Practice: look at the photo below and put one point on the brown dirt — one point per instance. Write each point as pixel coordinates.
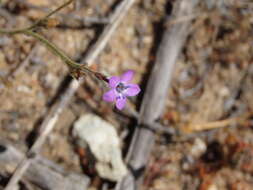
(212, 82)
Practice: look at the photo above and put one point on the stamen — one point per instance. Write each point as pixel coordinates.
(121, 87)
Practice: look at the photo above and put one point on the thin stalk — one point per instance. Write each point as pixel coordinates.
(22, 30)
(58, 52)
(49, 14)
(12, 31)
(52, 47)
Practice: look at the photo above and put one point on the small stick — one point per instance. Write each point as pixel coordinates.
(42, 172)
(186, 18)
(7, 79)
(83, 21)
(115, 20)
(24, 63)
(54, 113)
(216, 124)
(22, 30)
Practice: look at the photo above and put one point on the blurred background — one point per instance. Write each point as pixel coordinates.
(209, 104)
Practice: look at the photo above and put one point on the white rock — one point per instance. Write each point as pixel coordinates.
(104, 143)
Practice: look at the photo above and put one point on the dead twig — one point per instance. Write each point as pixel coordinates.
(23, 64)
(42, 172)
(54, 113)
(115, 20)
(193, 127)
(186, 18)
(9, 17)
(154, 99)
(70, 20)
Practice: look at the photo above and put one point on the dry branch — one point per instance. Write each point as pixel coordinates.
(42, 172)
(155, 95)
(24, 63)
(54, 113)
(70, 20)
(195, 127)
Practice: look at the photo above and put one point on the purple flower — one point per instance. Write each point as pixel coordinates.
(121, 89)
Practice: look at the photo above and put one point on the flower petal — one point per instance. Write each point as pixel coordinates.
(113, 81)
(110, 96)
(120, 103)
(127, 76)
(132, 90)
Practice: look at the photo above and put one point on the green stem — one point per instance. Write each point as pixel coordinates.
(58, 52)
(49, 14)
(54, 49)
(12, 31)
(22, 30)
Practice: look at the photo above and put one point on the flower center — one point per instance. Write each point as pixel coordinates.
(121, 87)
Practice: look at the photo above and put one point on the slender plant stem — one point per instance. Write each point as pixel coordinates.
(52, 47)
(12, 31)
(52, 12)
(36, 24)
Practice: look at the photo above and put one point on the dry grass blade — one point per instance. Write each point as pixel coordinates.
(195, 127)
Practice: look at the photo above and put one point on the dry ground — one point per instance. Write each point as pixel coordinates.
(212, 83)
